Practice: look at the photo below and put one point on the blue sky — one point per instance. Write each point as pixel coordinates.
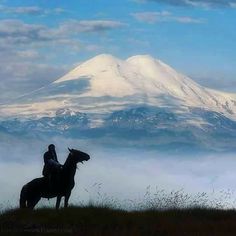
(40, 41)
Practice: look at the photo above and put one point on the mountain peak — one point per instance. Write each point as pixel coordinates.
(141, 57)
(148, 62)
(106, 62)
(92, 66)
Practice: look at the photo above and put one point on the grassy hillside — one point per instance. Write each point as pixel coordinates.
(106, 221)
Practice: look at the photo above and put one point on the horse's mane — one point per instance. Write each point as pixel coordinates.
(67, 160)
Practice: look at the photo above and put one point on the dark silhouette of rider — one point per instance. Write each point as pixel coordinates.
(51, 164)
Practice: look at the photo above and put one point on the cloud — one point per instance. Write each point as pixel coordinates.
(233, 4)
(18, 32)
(22, 76)
(164, 16)
(16, 35)
(30, 10)
(28, 54)
(187, 20)
(22, 48)
(150, 17)
(93, 48)
(106, 174)
(89, 26)
(197, 3)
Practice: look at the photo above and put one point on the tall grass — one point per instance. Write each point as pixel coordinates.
(160, 199)
(156, 212)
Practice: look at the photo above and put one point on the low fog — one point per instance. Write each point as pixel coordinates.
(119, 174)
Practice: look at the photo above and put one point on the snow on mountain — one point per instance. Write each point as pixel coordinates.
(105, 84)
(107, 76)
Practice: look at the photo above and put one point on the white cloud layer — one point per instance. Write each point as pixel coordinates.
(119, 174)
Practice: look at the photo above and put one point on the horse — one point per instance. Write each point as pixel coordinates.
(38, 188)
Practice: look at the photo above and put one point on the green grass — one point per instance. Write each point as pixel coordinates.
(104, 221)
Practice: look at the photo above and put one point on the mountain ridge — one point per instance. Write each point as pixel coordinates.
(106, 83)
(140, 102)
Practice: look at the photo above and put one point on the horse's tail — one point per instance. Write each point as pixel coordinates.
(23, 199)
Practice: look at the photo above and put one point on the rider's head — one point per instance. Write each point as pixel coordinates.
(51, 147)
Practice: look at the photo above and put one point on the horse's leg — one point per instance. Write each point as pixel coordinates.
(58, 202)
(33, 202)
(67, 196)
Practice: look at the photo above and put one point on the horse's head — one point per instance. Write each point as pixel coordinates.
(78, 156)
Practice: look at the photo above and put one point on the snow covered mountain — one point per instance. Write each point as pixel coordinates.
(109, 95)
(105, 83)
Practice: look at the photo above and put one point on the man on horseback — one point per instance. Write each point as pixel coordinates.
(39, 188)
(51, 165)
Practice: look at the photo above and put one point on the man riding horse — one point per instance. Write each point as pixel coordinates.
(60, 187)
(51, 165)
